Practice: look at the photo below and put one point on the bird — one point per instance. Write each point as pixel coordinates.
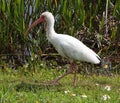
(67, 46)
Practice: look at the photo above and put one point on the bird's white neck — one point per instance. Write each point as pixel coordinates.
(49, 29)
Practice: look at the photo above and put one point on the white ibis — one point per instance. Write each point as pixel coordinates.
(66, 45)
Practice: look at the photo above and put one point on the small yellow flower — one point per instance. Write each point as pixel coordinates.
(97, 84)
(33, 73)
(73, 94)
(84, 96)
(105, 97)
(108, 88)
(67, 91)
(105, 66)
(36, 102)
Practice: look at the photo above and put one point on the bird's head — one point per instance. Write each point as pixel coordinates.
(45, 17)
(48, 17)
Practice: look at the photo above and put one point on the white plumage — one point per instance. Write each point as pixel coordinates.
(72, 48)
(67, 46)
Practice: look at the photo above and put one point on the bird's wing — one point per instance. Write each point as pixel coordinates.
(76, 50)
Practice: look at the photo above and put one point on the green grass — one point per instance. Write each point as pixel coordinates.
(23, 86)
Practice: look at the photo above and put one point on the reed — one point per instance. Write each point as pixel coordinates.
(71, 17)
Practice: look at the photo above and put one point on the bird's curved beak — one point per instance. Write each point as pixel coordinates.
(39, 20)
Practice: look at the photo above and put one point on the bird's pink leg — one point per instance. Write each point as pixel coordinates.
(73, 65)
(60, 77)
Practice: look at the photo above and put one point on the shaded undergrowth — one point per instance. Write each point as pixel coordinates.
(84, 20)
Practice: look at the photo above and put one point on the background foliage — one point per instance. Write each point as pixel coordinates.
(82, 19)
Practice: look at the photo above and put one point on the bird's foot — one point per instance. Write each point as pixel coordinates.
(53, 82)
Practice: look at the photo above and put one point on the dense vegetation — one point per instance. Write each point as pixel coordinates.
(93, 22)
